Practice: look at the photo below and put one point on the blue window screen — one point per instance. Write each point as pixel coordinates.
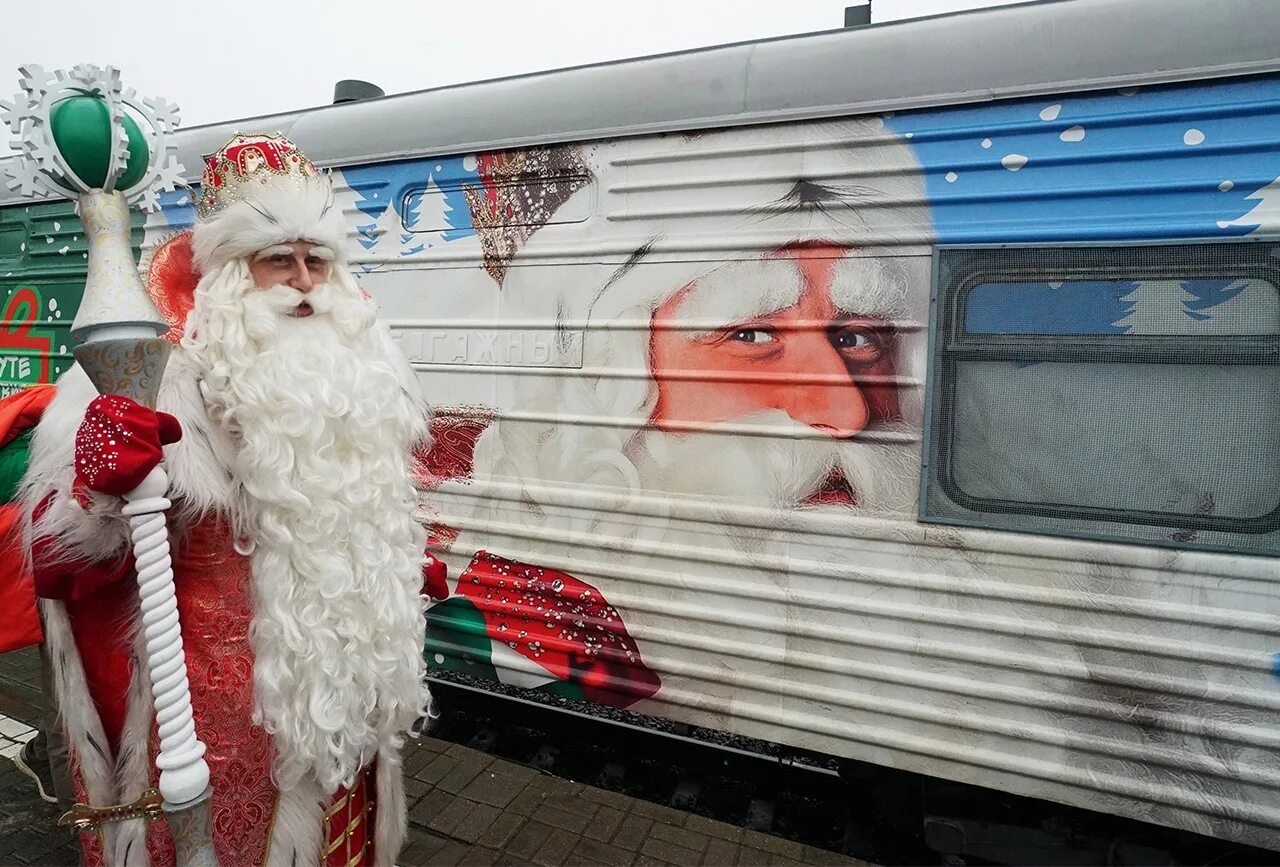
(1191, 307)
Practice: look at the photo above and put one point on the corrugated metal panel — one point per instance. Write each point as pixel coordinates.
(1120, 678)
(970, 57)
(42, 272)
(1124, 679)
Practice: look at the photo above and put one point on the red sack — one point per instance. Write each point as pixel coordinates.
(19, 623)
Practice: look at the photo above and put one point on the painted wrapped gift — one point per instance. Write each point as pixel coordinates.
(537, 628)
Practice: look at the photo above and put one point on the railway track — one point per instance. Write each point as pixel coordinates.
(865, 811)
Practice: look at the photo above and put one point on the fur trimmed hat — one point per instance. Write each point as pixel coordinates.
(259, 191)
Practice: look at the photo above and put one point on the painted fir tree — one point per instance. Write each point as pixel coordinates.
(1265, 215)
(1158, 307)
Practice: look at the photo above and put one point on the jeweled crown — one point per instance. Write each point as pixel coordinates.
(245, 162)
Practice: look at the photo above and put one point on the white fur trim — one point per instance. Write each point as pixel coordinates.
(107, 779)
(127, 841)
(99, 533)
(198, 480)
(296, 837)
(390, 815)
(275, 213)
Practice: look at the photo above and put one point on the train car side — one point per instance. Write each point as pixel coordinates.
(680, 395)
(932, 426)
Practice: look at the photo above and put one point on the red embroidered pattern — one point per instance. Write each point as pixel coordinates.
(215, 609)
(453, 445)
(171, 282)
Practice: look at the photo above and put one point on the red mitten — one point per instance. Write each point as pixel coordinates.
(119, 442)
(434, 572)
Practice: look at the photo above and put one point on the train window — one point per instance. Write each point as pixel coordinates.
(1126, 392)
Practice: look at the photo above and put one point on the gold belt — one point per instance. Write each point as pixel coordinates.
(82, 817)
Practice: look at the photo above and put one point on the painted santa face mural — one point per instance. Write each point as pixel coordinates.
(697, 401)
(767, 360)
(800, 335)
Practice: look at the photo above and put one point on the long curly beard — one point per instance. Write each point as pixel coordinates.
(323, 427)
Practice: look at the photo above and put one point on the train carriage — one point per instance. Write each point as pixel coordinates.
(907, 394)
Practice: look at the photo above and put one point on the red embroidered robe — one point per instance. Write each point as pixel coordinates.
(212, 584)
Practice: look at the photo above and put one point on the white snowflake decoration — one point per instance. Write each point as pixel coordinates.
(31, 174)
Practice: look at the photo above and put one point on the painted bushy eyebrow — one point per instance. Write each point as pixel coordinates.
(737, 293)
(734, 295)
(871, 286)
(633, 260)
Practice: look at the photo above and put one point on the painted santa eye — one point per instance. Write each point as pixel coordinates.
(858, 344)
(755, 336)
(849, 339)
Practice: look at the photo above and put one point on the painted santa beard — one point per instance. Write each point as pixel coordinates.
(777, 471)
(685, 555)
(323, 433)
(780, 470)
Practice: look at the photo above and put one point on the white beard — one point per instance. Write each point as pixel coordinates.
(759, 486)
(323, 431)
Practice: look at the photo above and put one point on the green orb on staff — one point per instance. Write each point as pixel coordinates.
(82, 135)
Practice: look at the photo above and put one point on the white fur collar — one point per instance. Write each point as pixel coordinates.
(198, 480)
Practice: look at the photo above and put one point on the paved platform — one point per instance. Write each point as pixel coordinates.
(465, 807)
(469, 808)
(28, 826)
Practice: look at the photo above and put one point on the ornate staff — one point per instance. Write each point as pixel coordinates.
(80, 136)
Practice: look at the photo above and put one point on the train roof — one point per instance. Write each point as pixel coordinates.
(1022, 50)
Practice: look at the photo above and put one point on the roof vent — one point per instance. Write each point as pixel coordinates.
(857, 16)
(354, 90)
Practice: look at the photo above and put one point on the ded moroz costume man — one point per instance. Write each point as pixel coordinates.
(287, 419)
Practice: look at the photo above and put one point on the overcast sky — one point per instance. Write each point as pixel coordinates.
(223, 61)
